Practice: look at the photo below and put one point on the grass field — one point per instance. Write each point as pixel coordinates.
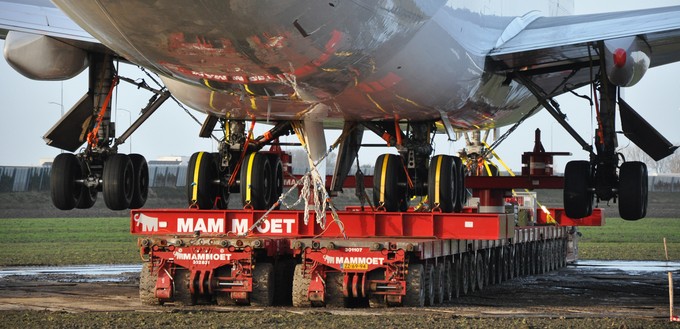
(61, 241)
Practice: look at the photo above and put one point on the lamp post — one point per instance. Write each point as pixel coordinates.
(61, 106)
(129, 124)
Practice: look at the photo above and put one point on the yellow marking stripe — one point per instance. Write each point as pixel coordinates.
(376, 103)
(212, 98)
(436, 179)
(382, 179)
(197, 165)
(249, 175)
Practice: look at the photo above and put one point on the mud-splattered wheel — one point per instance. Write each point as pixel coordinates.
(334, 296)
(428, 284)
(300, 287)
(456, 278)
(223, 298)
(182, 293)
(480, 270)
(283, 288)
(147, 285)
(447, 282)
(415, 284)
(263, 285)
(374, 300)
(465, 274)
(438, 280)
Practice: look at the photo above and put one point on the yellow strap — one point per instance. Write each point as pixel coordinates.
(437, 178)
(197, 165)
(382, 178)
(249, 175)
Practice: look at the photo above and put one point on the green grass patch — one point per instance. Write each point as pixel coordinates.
(631, 240)
(62, 241)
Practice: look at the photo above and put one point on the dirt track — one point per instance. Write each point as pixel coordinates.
(588, 296)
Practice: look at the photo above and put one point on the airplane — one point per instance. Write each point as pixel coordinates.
(401, 70)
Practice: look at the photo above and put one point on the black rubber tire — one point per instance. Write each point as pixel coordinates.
(578, 196)
(300, 288)
(447, 281)
(438, 279)
(415, 286)
(201, 177)
(118, 182)
(223, 298)
(182, 294)
(283, 289)
(442, 193)
(472, 272)
(88, 196)
(64, 189)
(461, 191)
(456, 278)
(428, 285)
(389, 167)
(480, 267)
(256, 189)
(465, 274)
(141, 185)
(334, 296)
(277, 179)
(633, 190)
(147, 286)
(263, 285)
(222, 190)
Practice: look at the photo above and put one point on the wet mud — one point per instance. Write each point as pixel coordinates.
(588, 294)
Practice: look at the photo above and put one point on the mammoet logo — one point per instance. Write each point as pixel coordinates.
(271, 225)
(149, 224)
(210, 225)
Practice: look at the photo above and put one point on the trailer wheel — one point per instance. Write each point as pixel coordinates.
(465, 274)
(428, 285)
(457, 269)
(334, 295)
(223, 298)
(438, 284)
(182, 294)
(300, 287)
(415, 286)
(283, 289)
(480, 271)
(263, 285)
(633, 190)
(147, 285)
(63, 187)
(374, 300)
(472, 272)
(256, 181)
(500, 265)
(447, 281)
(578, 197)
(389, 183)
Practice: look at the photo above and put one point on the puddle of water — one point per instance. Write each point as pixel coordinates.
(89, 270)
(631, 267)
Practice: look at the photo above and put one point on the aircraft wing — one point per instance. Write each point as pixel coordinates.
(543, 46)
(39, 17)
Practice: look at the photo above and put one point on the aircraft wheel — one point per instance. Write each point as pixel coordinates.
(221, 189)
(461, 191)
(442, 189)
(64, 189)
(389, 183)
(300, 288)
(256, 181)
(415, 286)
(263, 285)
(578, 198)
(201, 177)
(182, 294)
(277, 179)
(118, 182)
(633, 190)
(141, 183)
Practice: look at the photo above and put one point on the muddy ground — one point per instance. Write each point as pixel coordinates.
(577, 296)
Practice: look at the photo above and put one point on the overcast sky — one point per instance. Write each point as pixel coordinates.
(27, 111)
